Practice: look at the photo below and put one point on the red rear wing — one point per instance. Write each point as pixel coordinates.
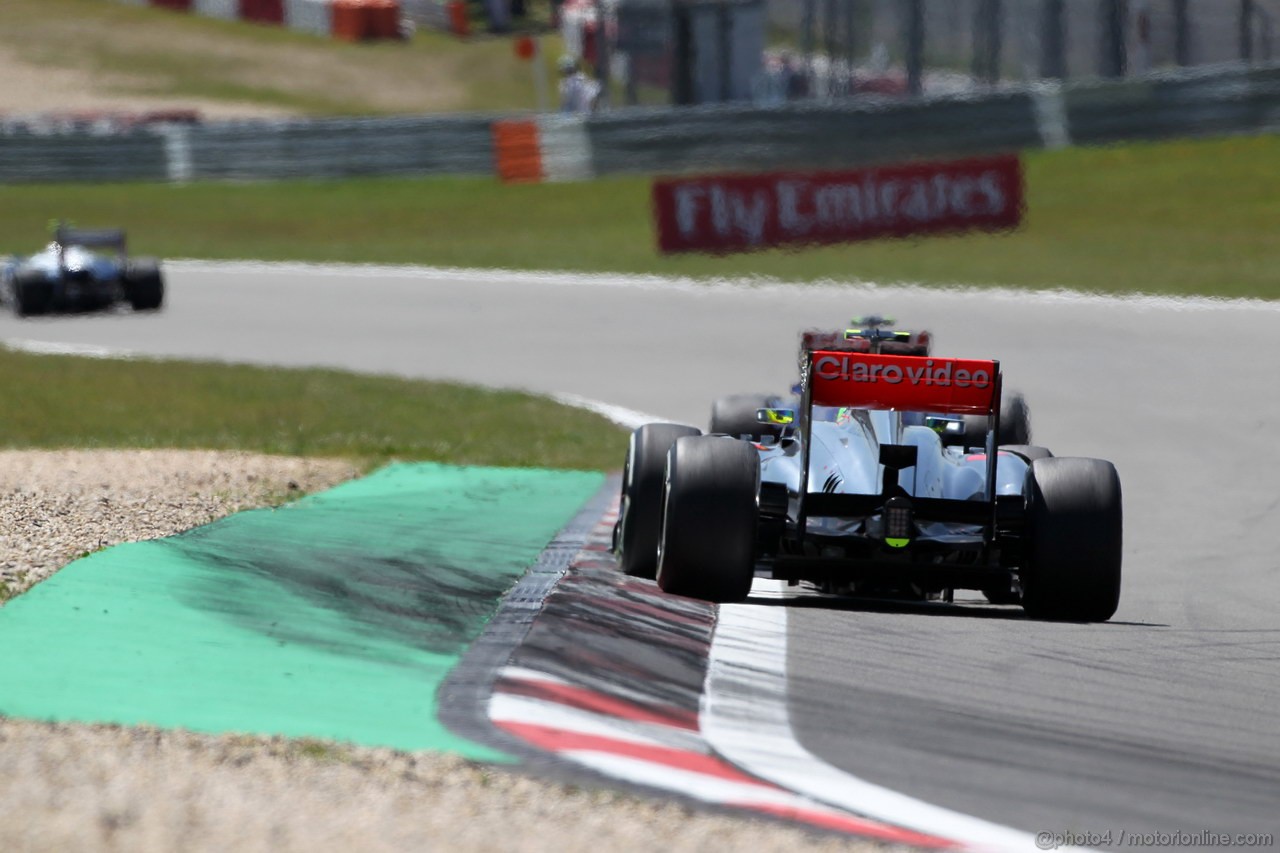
(908, 383)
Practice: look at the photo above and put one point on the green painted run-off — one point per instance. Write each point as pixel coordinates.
(334, 617)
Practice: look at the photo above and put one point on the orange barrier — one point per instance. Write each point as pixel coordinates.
(517, 151)
(356, 20)
(384, 19)
(262, 11)
(458, 22)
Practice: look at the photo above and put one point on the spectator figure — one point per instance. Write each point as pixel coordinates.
(769, 85)
(797, 76)
(578, 92)
(499, 13)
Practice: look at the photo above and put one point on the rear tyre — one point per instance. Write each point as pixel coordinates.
(640, 512)
(1075, 540)
(32, 294)
(144, 285)
(1015, 424)
(735, 415)
(1029, 452)
(709, 519)
(1015, 420)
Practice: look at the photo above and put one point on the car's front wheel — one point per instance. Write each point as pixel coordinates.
(32, 293)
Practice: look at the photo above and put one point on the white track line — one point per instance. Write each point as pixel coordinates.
(54, 348)
(629, 418)
(744, 717)
(709, 285)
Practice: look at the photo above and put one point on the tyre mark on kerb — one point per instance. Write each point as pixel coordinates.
(744, 718)
(644, 737)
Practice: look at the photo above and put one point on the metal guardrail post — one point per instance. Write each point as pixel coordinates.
(807, 25)
(831, 30)
(1266, 30)
(850, 33)
(915, 46)
(1246, 30)
(1053, 40)
(1114, 57)
(987, 37)
(602, 55)
(1181, 33)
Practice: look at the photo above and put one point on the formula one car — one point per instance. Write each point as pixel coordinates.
(854, 499)
(735, 414)
(69, 275)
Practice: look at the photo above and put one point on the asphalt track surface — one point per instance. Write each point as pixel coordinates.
(1165, 719)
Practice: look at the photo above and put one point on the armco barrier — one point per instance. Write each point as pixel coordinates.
(223, 10)
(134, 155)
(812, 136)
(1264, 97)
(309, 16)
(334, 148)
(1198, 103)
(809, 135)
(252, 150)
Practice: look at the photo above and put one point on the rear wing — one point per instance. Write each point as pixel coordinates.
(91, 238)
(908, 383)
(860, 380)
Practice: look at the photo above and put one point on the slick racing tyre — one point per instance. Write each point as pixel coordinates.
(32, 294)
(640, 512)
(1015, 420)
(144, 285)
(735, 415)
(1075, 529)
(708, 538)
(1015, 424)
(1029, 452)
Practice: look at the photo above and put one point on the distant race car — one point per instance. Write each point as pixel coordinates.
(69, 275)
(735, 414)
(853, 497)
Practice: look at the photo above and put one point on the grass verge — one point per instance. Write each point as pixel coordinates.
(1186, 217)
(67, 401)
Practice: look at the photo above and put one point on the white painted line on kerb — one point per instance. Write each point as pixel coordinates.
(744, 717)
